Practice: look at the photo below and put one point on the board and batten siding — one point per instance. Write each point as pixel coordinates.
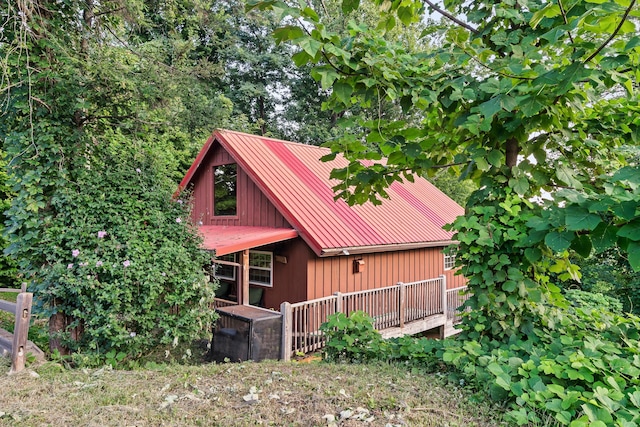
(290, 278)
(253, 207)
(335, 274)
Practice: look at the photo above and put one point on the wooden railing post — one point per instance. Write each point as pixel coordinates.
(287, 335)
(444, 293)
(401, 302)
(21, 331)
(339, 307)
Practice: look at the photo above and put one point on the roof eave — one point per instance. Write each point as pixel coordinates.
(356, 250)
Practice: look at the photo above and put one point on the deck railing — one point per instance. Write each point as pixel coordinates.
(455, 298)
(390, 307)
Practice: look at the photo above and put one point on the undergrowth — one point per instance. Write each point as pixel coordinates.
(582, 370)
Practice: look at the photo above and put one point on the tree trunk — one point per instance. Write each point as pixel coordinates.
(511, 151)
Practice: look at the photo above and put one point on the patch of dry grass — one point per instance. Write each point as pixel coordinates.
(247, 394)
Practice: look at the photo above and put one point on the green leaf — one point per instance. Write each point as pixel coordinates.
(533, 255)
(288, 32)
(343, 92)
(633, 250)
(582, 245)
(349, 6)
(558, 241)
(519, 185)
(489, 108)
(566, 175)
(604, 236)
(495, 157)
(550, 11)
(631, 230)
(310, 45)
(579, 218)
(531, 105)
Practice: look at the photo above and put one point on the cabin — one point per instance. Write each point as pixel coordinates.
(266, 209)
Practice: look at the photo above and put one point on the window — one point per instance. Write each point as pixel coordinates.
(224, 190)
(260, 268)
(450, 258)
(224, 271)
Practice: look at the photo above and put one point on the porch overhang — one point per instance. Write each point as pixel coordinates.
(226, 239)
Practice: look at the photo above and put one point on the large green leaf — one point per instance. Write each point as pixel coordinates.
(582, 245)
(631, 230)
(559, 241)
(343, 91)
(579, 218)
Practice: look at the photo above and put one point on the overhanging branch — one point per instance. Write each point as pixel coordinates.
(451, 17)
(615, 32)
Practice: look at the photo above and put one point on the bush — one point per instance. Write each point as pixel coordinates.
(121, 260)
(351, 339)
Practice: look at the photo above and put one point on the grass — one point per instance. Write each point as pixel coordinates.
(246, 394)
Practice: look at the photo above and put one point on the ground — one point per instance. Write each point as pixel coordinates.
(246, 394)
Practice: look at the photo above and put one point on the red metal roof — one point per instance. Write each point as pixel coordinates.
(296, 181)
(229, 239)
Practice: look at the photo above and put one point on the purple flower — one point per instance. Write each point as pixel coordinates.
(101, 234)
(132, 334)
(164, 274)
(127, 263)
(178, 220)
(69, 267)
(83, 264)
(75, 253)
(99, 264)
(179, 201)
(138, 170)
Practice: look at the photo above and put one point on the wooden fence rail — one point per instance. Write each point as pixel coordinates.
(21, 309)
(455, 298)
(390, 307)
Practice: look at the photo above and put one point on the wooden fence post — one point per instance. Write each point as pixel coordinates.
(339, 307)
(401, 302)
(444, 294)
(443, 289)
(21, 331)
(287, 334)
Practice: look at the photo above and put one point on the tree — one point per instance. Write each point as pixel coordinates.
(510, 98)
(527, 98)
(84, 83)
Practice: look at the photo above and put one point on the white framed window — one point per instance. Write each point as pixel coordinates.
(261, 268)
(450, 259)
(225, 271)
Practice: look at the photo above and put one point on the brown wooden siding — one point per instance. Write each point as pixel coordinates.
(254, 209)
(335, 274)
(290, 279)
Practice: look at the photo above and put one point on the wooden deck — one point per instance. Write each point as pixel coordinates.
(403, 309)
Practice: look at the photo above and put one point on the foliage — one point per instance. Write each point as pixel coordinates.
(609, 273)
(583, 370)
(458, 189)
(527, 98)
(593, 301)
(351, 339)
(83, 111)
(8, 269)
(121, 258)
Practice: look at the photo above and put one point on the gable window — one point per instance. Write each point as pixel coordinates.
(224, 190)
(225, 271)
(450, 259)
(261, 268)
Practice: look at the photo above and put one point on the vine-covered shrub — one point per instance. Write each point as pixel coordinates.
(120, 258)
